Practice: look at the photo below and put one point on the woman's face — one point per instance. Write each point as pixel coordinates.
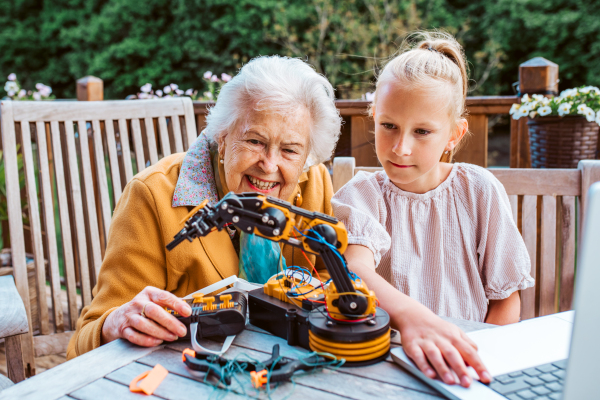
(267, 153)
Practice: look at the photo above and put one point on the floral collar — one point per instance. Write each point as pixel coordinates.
(196, 180)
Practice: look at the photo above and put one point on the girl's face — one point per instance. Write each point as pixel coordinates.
(413, 128)
(267, 153)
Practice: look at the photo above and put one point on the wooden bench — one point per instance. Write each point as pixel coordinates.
(80, 155)
(546, 205)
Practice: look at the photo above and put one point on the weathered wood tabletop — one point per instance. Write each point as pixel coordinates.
(105, 373)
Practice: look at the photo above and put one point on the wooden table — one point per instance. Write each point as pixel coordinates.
(105, 373)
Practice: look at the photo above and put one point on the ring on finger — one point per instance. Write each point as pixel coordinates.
(143, 313)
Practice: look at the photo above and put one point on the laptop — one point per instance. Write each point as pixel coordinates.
(551, 357)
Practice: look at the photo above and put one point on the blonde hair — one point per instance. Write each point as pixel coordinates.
(428, 59)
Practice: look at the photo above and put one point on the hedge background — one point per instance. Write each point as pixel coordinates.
(130, 42)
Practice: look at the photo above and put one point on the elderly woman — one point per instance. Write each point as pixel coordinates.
(273, 125)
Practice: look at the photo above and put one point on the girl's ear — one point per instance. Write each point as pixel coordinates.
(462, 127)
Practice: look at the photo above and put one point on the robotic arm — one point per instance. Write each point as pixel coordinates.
(276, 220)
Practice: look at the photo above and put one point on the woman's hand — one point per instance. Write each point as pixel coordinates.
(432, 342)
(157, 325)
(426, 338)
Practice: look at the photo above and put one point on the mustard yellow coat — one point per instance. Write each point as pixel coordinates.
(144, 222)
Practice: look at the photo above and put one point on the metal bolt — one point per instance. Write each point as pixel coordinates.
(224, 206)
(271, 222)
(329, 323)
(235, 218)
(257, 204)
(230, 211)
(353, 305)
(265, 218)
(371, 322)
(249, 229)
(276, 231)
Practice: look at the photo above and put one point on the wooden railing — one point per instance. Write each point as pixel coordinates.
(357, 140)
(535, 76)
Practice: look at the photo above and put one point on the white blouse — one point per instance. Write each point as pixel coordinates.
(452, 248)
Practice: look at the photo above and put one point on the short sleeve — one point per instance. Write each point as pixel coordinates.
(360, 205)
(503, 258)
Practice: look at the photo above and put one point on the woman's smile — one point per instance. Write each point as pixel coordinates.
(261, 185)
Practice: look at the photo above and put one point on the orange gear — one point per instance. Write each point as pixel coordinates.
(259, 379)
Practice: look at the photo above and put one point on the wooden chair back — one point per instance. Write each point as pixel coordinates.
(77, 158)
(547, 207)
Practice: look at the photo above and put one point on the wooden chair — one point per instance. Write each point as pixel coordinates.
(545, 205)
(79, 155)
(13, 324)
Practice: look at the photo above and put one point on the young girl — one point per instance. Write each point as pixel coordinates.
(431, 237)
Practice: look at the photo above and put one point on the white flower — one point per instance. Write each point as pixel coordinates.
(143, 96)
(568, 93)
(564, 109)
(189, 92)
(225, 78)
(179, 92)
(533, 114)
(22, 93)
(514, 108)
(147, 88)
(208, 95)
(587, 89)
(214, 78)
(525, 98)
(598, 117)
(581, 108)
(546, 101)
(37, 96)
(159, 93)
(45, 90)
(167, 89)
(545, 110)
(174, 86)
(522, 112)
(590, 115)
(207, 75)
(11, 93)
(12, 77)
(11, 86)
(538, 97)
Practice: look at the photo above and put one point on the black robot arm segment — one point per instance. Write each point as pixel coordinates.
(274, 219)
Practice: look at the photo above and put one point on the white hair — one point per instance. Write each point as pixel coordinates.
(282, 85)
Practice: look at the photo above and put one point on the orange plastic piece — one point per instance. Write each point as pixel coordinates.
(151, 380)
(209, 303)
(189, 352)
(259, 379)
(198, 297)
(226, 301)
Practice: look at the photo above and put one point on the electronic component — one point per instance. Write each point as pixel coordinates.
(341, 316)
(220, 315)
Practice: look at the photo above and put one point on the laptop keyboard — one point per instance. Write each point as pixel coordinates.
(542, 382)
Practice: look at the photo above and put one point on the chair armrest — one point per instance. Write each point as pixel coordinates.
(13, 318)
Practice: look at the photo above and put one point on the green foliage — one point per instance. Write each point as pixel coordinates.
(128, 43)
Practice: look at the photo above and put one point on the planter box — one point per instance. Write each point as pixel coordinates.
(561, 142)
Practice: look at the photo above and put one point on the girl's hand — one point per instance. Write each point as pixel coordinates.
(432, 342)
(426, 338)
(155, 326)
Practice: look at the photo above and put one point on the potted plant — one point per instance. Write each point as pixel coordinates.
(562, 130)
